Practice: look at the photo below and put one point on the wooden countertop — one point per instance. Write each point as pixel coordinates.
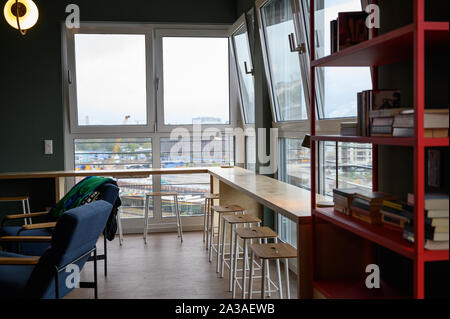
(290, 201)
(112, 173)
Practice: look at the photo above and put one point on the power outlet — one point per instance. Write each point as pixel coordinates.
(48, 147)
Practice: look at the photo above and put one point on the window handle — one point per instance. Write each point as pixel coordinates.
(301, 48)
(252, 71)
(157, 84)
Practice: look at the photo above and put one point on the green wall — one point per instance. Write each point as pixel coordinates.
(31, 108)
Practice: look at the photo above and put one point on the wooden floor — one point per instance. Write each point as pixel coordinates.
(162, 269)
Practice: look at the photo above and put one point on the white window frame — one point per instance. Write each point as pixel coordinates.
(194, 31)
(73, 131)
(70, 77)
(302, 125)
(242, 22)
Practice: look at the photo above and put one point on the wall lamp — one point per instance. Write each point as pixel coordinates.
(21, 14)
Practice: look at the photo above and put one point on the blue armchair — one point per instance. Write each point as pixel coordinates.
(12, 237)
(73, 242)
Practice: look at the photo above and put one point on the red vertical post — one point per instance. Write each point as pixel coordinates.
(313, 132)
(419, 149)
(374, 146)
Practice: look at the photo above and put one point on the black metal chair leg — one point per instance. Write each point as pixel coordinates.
(95, 275)
(106, 254)
(56, 283)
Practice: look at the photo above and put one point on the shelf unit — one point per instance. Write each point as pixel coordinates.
(408, 42)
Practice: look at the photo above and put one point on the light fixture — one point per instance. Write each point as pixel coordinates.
(21, 14)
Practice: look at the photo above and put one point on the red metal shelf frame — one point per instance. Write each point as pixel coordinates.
(411, 41)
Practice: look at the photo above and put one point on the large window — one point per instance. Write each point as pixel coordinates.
(111, 79)
(193, 76)
(284, 69)
(244, 66)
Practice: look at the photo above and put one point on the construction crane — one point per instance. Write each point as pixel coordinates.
(119, 140)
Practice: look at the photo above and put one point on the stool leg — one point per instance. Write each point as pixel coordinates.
(263, 281)
(231, 257)
(146, 219)
(267, 278)
(236, 256)
(119, 225)
(218, 243)
(286, 268)
(180, 224)
(250, 285)
(204, 221)
(244, 270)
(280, 287)
(24, 211)
(211, 237)
(207, 211)
(224, 229)
(29, 210)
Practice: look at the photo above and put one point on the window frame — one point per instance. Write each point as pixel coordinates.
(192, 31)
(70, 76)
(242, 22)
(287, 125)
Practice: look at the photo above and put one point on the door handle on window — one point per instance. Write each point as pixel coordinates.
(301, 48)
(252, 71)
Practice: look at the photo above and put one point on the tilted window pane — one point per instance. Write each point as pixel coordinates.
(196, 80)
(111, 79)
(284, 65)
(120, 154)
(246, 81)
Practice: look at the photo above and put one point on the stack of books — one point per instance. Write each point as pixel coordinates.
(436, 123)
(349, 129)
(436, 222)
(342, 199)
(366, 206)
(376, 111)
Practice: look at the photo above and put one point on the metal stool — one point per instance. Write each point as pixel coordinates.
(268, 252)
(25, 205)
(177, 212)
(220, 210)
(233, 220)
(260, 233)
(209, 201)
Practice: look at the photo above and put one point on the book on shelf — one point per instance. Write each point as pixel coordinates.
(436, 245)
(333, 36)
(436, 123)
(351, 29)
(342, 199)
(437, 205)
(366, 206)
(349, 129)
(376, 111)
(431, 233)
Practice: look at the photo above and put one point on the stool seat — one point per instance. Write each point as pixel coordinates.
(274, 251)
(241, 219)
(212, 196)
(14, 199)
(228, 209)
(256, 232)
(159, 194)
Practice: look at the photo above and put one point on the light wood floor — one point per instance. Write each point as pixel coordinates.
(162, 269)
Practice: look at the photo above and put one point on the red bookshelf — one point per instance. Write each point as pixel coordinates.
(412, 41)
